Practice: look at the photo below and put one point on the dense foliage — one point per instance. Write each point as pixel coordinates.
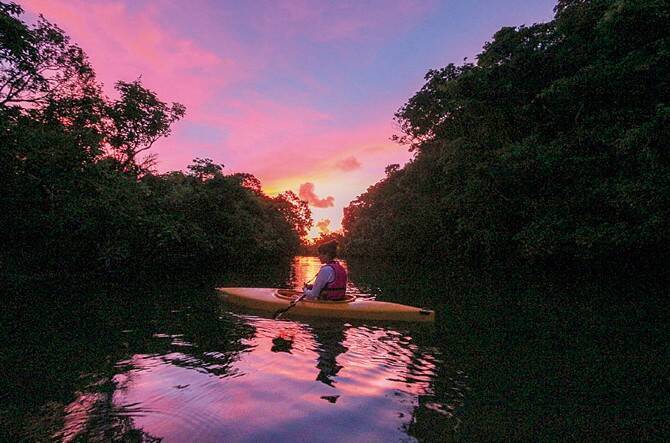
(310, 247)
(77, 197)
(552, 148)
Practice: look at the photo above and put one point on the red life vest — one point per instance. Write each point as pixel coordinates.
(337, 289)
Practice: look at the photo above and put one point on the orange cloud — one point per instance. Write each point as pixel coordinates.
(307, 193)
(323, 226)
(348, 164)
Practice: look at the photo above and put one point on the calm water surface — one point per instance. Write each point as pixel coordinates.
(506, 359)
(193, 368)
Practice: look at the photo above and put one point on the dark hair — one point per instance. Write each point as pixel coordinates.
(328, 248)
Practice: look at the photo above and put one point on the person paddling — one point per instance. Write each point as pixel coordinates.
(331, 281)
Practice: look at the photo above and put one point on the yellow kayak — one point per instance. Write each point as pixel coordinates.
(270, 299)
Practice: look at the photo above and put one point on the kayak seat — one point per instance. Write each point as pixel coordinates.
(291, 294)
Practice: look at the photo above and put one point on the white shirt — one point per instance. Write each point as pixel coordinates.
(326, 275)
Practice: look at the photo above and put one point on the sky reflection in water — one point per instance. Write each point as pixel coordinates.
(273, 380)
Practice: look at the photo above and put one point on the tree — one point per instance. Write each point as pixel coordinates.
(39, 64)
(248, 181)
(205, 169)
(67, 208)
(551, 148)
(138, 119)
(295, 211)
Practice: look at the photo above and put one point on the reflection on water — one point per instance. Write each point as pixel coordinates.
(213, 373)
(586, 362)
(349, 383)
(304, 269)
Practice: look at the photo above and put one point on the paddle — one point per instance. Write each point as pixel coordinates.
(280, 312)
(283, 310)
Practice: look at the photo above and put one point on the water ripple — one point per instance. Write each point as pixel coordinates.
(247, 377)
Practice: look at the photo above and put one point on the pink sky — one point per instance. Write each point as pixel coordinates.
(293, 92)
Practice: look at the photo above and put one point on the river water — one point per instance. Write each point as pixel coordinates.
(176, 363)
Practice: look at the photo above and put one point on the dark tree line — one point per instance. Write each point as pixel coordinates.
(552, 148)
(310, 247)
(78, 193)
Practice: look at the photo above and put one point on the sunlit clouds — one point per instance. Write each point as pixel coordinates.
(306, 193)
(294, 92)
(348, 164)
(323, 226)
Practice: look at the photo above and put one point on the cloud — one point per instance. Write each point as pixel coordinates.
(324, 21)
(254, 101)
(125, 42)
(306, 193)
(323, 226)
(348, 164)
(228, 119)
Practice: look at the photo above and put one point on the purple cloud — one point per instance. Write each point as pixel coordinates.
(348, 164)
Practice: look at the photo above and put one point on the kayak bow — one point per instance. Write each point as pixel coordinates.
(271, 299)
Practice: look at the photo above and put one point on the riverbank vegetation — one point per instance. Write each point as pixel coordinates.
(79, 192)
(551, 149)
(309, 246)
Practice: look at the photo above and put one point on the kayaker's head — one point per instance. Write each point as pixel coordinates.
(327, 251)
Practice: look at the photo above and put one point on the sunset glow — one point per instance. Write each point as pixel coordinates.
(291, 92)
(290, 376)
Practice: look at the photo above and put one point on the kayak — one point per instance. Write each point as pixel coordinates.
(271, 299)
